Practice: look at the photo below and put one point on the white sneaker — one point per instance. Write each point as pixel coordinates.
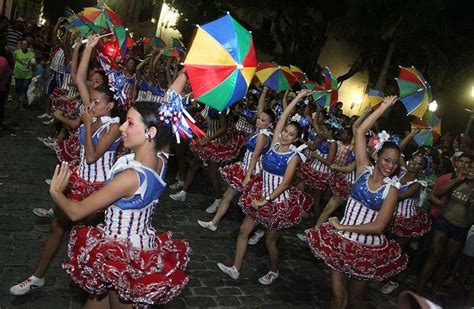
(208, 225)
(44, 212)
(180, 196)
(231, 271)
(389, 287)
(45, 115)
(257, 235)
(48, 181)
(213, 208)
(269, 278)
(177, 185)
(302, 237)
(26, 286)
(48, 122)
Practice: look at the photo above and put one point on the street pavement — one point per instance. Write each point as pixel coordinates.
(24, 165)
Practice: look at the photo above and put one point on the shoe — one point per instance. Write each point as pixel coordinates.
(48, 122)
(177, 185)
(180, 196)
(213, 208)
(302, 237)
(208, 225)
(49, 145)
(44, 212)
(26, 286)
(48, 181)
(269, 278)
(231, 271)
(257, 235)
(45, 115)
(41, 139)
(50, 139)
(389, 287)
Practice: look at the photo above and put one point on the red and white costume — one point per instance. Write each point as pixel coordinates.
(361, 256)
(340, 182)
(314, 172)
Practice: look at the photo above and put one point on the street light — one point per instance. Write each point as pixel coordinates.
(433, 106)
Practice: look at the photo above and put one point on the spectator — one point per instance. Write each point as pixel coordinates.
(14, 35)
(5, 72)
(23, 72)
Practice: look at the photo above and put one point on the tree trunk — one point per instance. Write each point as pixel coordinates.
(382, 79)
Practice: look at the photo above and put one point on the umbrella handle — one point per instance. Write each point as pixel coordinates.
(100, 37)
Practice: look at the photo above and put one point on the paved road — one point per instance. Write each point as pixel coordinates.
(25, 163)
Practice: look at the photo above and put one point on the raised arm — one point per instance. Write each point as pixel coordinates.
(362, 159)
(81, 80)
(261, 100)
(55, 40)
(286, 112)
(75, 60)
(407, 139)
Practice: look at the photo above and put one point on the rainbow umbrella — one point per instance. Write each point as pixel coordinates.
(327, 95)
(431, 122)
(102, 16)
(221, 62)
(79, 25)
(154, 41)
(174, 52)
(298, 73)
(415, 91)
(375, 98)
(275, 76)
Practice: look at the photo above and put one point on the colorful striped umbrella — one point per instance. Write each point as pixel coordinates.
(221, 62)
(174, 52)
(298, 73)
(274, 76)
(82, 26)
(102, 16)
(431, 122)
(327, 95)
(415, 91)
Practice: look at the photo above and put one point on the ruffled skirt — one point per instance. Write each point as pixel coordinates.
(97, 263)
(410, 227)
(69, 149)
(359, 261)
(79, 188)
(219, 152)
(313, 178)
(233, 175)
(339, 185)
(275, 215)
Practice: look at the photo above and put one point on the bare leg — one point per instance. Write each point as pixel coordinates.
(214, 178)
(271, 238)
(58, 226)
(224, 205)
(453, 250)
(179, 152)
(339, 291)
(242, 241)
(100, 302)
(115, 302)
(317, 202)
(438, 244)
(333, 204)
(356, 293)
(193, 168)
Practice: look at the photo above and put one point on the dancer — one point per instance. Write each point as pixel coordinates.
(238, 175)
(355, 248)
(270, 200)
(99, 140)
(127, 262)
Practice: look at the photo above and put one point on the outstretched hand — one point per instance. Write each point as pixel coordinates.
(60, 178)
(92, 40)
(390, 100)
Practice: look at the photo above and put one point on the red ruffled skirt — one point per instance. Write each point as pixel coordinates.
(97, 263)
(412, 227)
(233, 175)
(69, 149)
(79, 188)
(313, 178)
(57, 92)
(219, 152)
(359, 261)
(274, 215)
(339, 185)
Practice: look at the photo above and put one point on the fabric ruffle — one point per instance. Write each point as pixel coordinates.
(219, 152)
(275, 215)
(97, 263)
(69, 149)
(79, 188)
(339, 185)
(359, 261)
(313, 178)
(412, 227)
(233, 175)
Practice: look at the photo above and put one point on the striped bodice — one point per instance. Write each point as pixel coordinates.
(213, 125)
(130, 219)
(407, 207)
(342, 153)
(57, 60)
(323, 151)
(251, 144)
(150, 92)
(69, 85)
(356, 214)
(243, 125)
(97, 171)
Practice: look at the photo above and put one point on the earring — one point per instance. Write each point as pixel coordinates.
(108, 109)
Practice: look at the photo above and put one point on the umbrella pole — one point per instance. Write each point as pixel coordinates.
(100, 37)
